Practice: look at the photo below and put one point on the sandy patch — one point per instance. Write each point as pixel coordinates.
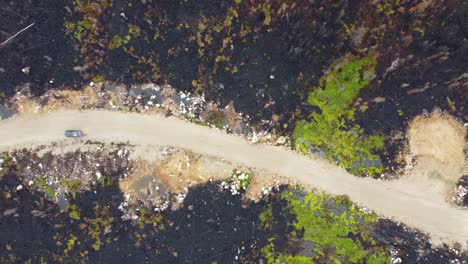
(263, 182)
(141, 185)
(177, 170)
(174, 171)
(184, 169)
(437, 143)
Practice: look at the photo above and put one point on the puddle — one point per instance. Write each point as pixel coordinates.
(146, 188)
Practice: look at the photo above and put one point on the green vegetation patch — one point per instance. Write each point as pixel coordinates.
(134, 30)
(73, 211)
(5, 163)
(118, 41)
(72, 186)
(330, 130)
(334, 230)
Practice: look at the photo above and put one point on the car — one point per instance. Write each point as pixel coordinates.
(74, 133)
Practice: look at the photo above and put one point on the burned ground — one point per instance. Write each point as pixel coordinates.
(43, 47)
(211, 225)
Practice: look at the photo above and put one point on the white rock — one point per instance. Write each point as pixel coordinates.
(19, 187)
(119, 153)
(91, 84)
(26, 70)
(98, 175)
(272, 77)
(281, 140)
(30, 183)
(180, 198)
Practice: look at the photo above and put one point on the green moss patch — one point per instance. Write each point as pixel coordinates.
(329, 230)
(330, 131)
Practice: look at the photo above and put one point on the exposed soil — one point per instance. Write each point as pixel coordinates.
(264, 182)
(438, 144)
(153, 181)
(179, 170)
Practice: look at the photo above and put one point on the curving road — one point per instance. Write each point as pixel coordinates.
(419, 205)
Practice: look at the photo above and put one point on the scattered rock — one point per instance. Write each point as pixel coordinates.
(9, 212)
(26, 70)
(281, 140)
(378, 99)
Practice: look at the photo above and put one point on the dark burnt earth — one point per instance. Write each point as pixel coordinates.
(211, 225)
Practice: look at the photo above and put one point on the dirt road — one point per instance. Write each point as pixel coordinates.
(419, 204)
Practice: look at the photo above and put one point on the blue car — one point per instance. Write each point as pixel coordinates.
(74, 133)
